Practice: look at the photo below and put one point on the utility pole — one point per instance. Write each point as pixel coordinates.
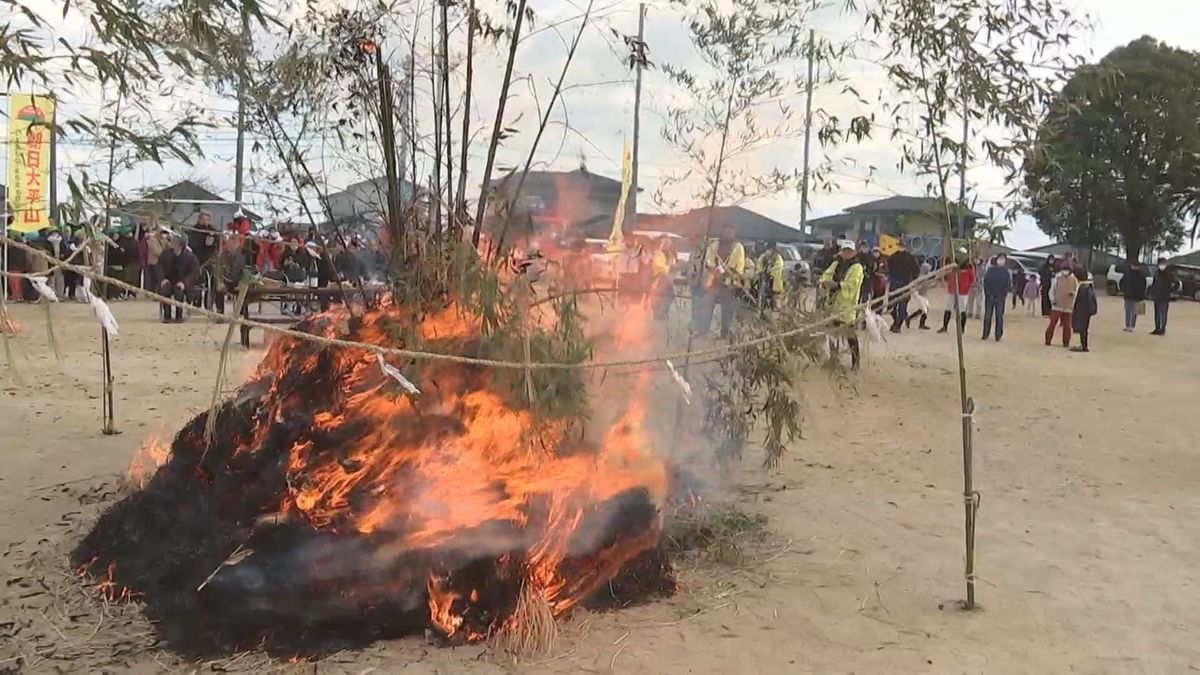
(631, 208)
(241, 109)
(808, 95)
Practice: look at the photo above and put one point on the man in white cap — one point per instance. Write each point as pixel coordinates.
(842, 282)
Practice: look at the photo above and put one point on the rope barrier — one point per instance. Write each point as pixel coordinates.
(35, 275)
(883, 302)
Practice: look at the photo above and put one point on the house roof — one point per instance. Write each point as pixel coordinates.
(185, 191)
(831, 222)
(1192, 258)
(748, 224)
(1062, 247)
(1057, 247)
(909, 205)
(377, 183)
(541, 178)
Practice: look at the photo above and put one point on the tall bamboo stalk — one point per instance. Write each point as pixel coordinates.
(460, 198)
(712, 207)
(970, 496)
(435, 86)
(108, 428)
(498, 124)
(562, 76)
(447, 113)
(387, 138)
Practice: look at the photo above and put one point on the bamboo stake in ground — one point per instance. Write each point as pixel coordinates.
(970, 496)
(106, 407)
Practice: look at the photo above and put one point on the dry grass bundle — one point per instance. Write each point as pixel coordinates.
(530, 631)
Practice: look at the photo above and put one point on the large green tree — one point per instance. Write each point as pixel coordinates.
(1117, 158)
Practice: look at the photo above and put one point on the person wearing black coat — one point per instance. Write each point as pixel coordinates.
(203, 240)
(1165, 285)
(178, 271)
(1018, 286)
(870, 266)
(1133, 287)
(1046, 272)
(1085, 308)
(997, 284)
(903, 269)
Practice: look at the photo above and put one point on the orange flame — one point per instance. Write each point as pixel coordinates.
(423, 487)
(149, 457)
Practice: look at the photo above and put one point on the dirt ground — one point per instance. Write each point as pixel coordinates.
(1089, 528)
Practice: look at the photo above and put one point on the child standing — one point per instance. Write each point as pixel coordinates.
(1033, 291)
(1085, 308)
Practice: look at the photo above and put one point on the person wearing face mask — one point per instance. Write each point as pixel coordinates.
(997, 284)
(1165, 285)
(842, 284)
(1063, 289)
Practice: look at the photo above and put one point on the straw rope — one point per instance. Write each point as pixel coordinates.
(717, 350)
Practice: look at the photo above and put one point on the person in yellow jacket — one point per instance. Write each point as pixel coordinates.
(662, 287)
(724, 270)
(841, 282)
(770, 270)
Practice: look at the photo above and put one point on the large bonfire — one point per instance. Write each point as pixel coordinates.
(333, 504)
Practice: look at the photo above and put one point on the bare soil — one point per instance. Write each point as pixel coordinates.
(1088, 535)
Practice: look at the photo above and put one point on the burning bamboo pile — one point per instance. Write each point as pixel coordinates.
(333, 506)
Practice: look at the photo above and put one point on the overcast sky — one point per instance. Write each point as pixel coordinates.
(600, 106)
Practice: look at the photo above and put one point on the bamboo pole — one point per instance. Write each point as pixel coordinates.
(108, 428)
(970, 495)
(461, 197)
(447, 116)
(702, 254)
(537, 139)
(498, 124)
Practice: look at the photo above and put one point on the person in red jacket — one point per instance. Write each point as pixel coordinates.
(958, 285)
(270, 250)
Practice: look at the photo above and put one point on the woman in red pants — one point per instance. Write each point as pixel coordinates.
(1063, 288)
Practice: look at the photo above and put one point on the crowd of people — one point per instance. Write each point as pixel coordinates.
(201, 264)
(198, 263)
(983, 289)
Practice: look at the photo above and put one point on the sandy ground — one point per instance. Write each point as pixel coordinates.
(1088, 535)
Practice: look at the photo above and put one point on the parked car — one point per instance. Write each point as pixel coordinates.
(1027, 260)
(1116, 272)
(1189, 280)
(795, 268)
(1025, 265)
